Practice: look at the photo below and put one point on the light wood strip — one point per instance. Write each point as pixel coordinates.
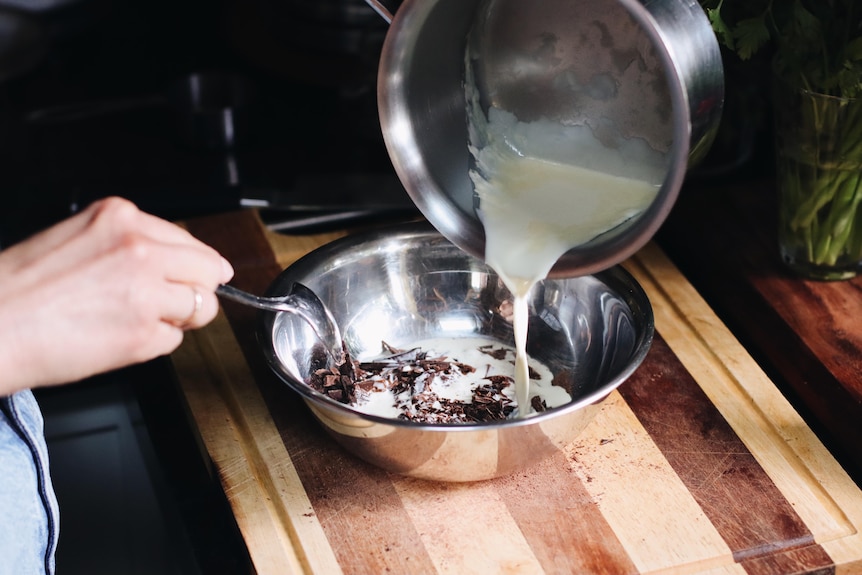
(466, 528)
(801, 467)
(650, 509)
(257, 473)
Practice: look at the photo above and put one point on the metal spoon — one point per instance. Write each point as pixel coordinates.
(300, 301)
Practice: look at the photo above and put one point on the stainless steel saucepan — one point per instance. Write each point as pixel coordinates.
(649, 70)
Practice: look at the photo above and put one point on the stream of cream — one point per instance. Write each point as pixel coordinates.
(537, 200)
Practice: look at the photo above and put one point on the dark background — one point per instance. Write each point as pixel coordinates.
(95, 100)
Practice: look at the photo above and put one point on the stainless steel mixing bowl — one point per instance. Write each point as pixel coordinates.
(407, 283)
(627, 69)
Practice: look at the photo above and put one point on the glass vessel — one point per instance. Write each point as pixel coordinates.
(819, 182)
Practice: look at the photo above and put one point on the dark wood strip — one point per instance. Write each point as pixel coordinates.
(240, 238)
(733, 490)
(346, 493)
(574, 538)
(807, 560)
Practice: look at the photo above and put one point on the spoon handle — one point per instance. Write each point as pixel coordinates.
(302, 302)
(268, 303)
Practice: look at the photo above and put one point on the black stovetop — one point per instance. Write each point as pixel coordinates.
(105, 111)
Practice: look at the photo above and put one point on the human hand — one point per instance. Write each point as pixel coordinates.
(106, 288)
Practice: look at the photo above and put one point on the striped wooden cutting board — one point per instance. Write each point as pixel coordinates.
(697, 464)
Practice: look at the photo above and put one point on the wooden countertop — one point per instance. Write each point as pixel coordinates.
(697, 464)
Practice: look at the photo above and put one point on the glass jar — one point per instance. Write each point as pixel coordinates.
(819, 182)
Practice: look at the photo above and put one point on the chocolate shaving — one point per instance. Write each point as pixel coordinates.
(538, 404)
(495, 352)
(337, 382)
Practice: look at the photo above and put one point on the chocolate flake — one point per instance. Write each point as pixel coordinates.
(495, 352)
(336, 382)
(538, 404)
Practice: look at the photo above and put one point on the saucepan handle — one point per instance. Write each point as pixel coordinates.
(386, 8)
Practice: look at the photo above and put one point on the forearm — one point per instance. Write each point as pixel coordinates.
(18, 364)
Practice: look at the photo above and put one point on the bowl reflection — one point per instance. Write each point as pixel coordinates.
(407, 283)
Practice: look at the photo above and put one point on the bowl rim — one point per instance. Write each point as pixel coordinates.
(616, 274)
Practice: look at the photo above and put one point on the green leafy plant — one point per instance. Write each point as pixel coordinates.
(816, 51)
(817, 43)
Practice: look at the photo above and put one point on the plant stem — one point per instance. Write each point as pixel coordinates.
(821, 179)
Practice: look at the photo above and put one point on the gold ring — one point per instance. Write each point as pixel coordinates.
(199, 302)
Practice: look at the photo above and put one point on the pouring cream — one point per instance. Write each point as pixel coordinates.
(543, 189)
